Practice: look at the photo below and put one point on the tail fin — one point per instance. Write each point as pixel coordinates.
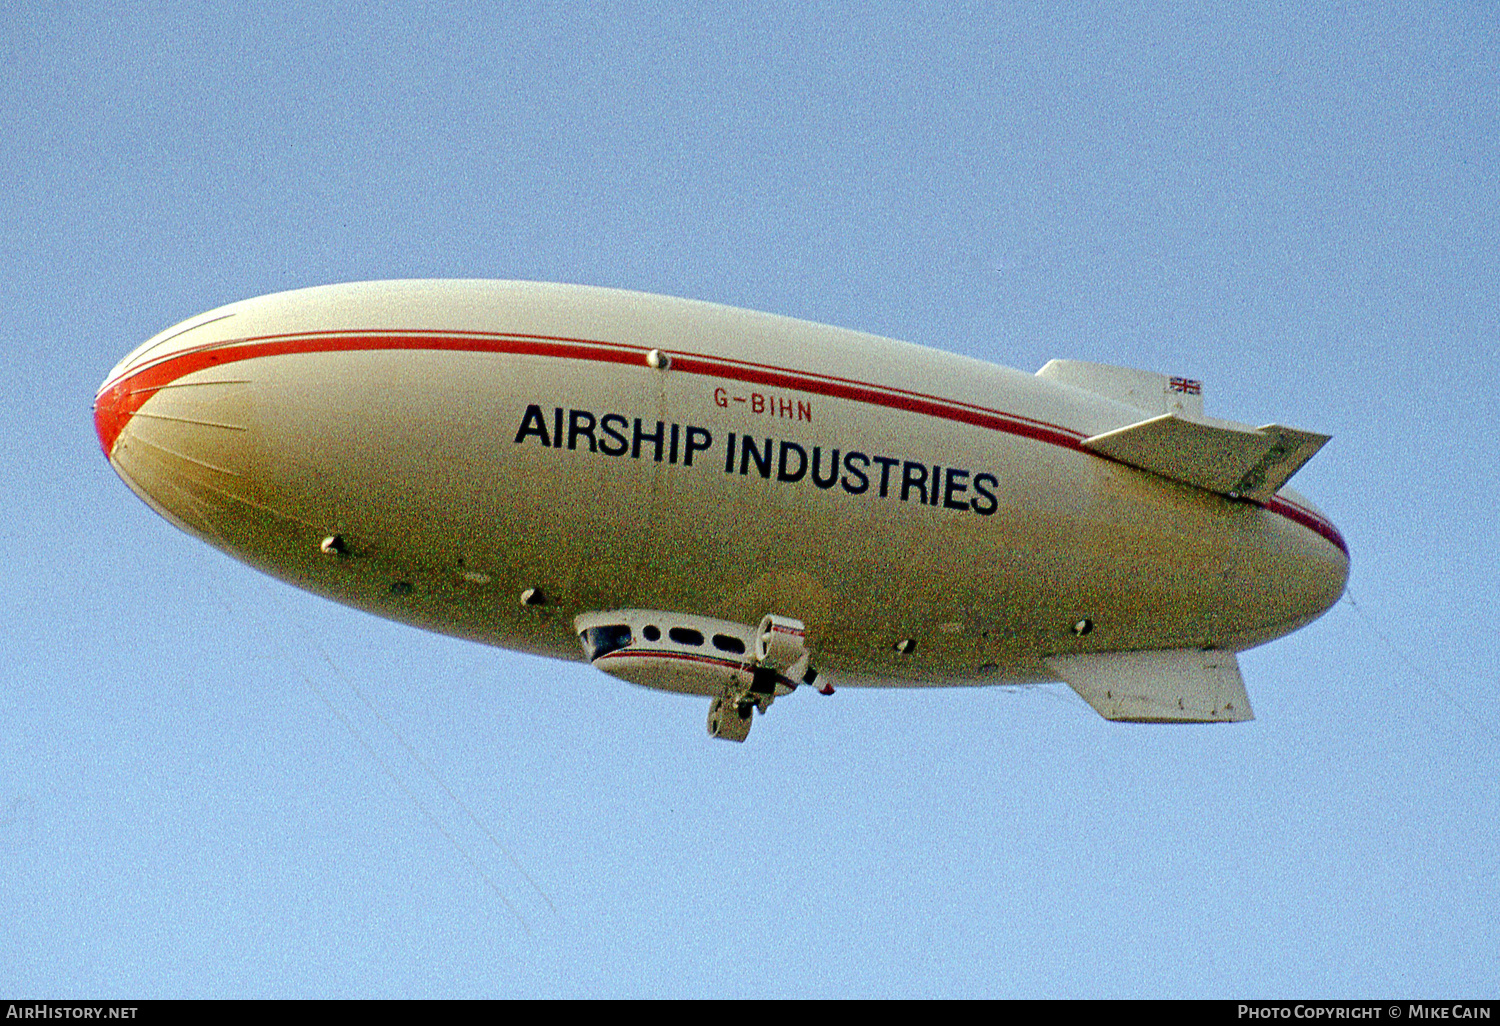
(1180, 685)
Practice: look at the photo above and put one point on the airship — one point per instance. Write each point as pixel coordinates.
(725, 503)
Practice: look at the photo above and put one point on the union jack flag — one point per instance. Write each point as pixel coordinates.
(1187, 386)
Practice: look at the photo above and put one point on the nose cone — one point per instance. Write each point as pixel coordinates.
(175, 424)
(112, 412)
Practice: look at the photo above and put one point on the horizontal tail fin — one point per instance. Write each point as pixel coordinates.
(1177, 441)
(1248, 464)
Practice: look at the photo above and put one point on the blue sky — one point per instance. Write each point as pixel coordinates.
(1297, 204)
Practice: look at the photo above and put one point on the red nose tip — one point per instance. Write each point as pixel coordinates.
(112, 410)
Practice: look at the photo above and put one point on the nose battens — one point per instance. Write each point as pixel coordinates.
(117, 403)
(113, 408)
(119, 399)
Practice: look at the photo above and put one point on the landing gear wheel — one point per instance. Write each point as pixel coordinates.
(730, 720)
